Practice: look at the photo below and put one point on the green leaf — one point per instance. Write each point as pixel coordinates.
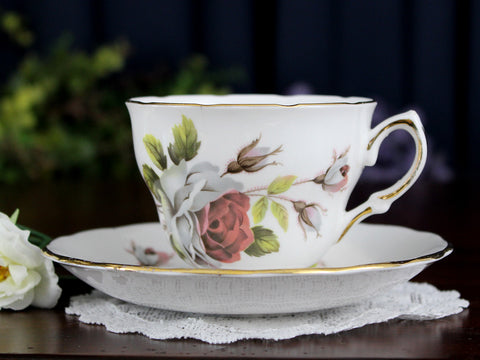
(155, 151)
(36, 237)
(281, 184)
(266, 242)
(281, 214)
(259, 209)
(185, 144)
(14, 216)
(151, 178)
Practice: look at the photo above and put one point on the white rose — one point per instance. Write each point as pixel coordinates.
(26, 276)
(183, 194)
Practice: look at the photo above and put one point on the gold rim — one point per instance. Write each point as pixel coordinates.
(65, 260)
(418, 159)
(131, 101)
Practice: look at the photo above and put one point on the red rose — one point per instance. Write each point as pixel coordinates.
(225, 228)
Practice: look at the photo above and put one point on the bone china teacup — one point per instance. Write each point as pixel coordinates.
(262, 181)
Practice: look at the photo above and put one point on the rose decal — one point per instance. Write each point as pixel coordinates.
(149, 256)
(180, 194)
(209, 216)
(336, 176)
(309, 215)
(252, 158)
(225, 228)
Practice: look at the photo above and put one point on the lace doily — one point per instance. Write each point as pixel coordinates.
(410, 300)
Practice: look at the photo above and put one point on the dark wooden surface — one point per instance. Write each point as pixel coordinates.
(61, 208)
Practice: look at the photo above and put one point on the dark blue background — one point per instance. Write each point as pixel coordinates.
(422, 54)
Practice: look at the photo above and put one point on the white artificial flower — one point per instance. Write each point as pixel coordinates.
(26, 276)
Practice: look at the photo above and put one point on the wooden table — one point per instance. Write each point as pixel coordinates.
(63, 208)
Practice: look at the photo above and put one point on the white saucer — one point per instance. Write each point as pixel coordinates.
(370, 259)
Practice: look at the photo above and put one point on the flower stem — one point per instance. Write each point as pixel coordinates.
(279, 197)
(302, 182)
(260, 188)
(255, 189)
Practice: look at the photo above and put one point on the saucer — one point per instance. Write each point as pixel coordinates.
(369, 259)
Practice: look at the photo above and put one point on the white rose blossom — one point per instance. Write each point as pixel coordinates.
(184, 193)
(26, 276)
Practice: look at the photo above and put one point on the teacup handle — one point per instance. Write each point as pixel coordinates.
(380, 201)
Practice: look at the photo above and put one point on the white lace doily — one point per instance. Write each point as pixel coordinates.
(410, 300)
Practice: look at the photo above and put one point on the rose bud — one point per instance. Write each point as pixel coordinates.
(309, 215)
(251, 158)
(336, 176)
(148, 256)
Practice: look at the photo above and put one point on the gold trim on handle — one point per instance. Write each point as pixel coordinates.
(354, 220)
(418, 158)
(395, 123)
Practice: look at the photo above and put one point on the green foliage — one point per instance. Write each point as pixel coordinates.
(259, 209)
(12, 24)
(53, 118)
(281, 184)
(265, 242)
(185, 144)
(150, 177)
(155, 151)
(193, 78)
(62, 114)
(37, 238)
(281, 214)
(14, 216)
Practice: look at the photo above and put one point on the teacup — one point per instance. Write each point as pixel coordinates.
(262, 181)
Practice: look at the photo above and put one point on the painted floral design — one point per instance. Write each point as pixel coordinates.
(252, 158)
(309, 215)
(208, 214)
(336, 177)
(225, 228)
(149, 256)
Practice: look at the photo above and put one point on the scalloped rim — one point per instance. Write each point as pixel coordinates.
(164, 100)
(65, 260)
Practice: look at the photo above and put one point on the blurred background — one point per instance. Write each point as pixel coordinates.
(68, 66)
